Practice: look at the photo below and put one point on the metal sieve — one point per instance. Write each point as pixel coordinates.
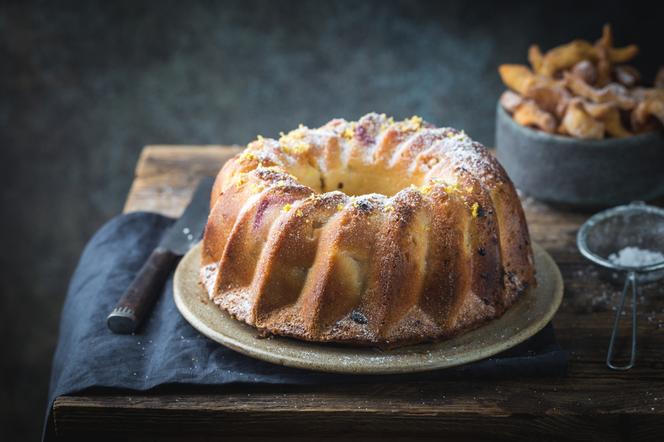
(610, 231)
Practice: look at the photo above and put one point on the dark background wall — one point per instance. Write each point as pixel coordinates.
(83, 86)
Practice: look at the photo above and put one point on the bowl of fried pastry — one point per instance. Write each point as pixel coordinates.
(580, 126)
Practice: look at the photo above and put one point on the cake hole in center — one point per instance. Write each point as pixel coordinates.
(354, 182)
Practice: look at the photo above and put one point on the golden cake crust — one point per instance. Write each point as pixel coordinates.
(372, 232)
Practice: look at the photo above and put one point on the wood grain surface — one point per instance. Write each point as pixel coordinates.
(590, 403)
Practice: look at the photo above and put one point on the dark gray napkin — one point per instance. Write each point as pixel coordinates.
(167, 350)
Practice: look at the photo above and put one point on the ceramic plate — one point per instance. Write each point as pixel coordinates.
(525, 318)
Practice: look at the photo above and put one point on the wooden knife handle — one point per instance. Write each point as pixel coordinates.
(139, 298)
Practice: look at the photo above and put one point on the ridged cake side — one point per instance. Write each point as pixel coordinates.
(436, 242)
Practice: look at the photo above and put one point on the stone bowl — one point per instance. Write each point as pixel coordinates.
(580, 173)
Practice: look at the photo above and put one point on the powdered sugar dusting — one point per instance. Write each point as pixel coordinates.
(465, 154)
(636, 257)
(208, 277)
(360, 139)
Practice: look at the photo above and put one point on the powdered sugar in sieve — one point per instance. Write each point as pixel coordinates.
(628, 239)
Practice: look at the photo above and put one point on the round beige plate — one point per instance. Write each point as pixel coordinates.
(521, 321)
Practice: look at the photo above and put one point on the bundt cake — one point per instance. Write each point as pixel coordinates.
(372, 232)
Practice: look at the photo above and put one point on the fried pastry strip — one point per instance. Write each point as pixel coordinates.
(510, 101)
(580, 124)
(612, 92)
(517, 77)
(529, 114)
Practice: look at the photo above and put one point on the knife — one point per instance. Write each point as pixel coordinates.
(141, 295)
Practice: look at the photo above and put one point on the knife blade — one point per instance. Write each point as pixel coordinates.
(136, 303)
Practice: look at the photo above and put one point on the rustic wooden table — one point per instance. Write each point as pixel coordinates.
(591, 403)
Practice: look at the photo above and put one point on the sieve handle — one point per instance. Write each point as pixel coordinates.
(629, 281)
